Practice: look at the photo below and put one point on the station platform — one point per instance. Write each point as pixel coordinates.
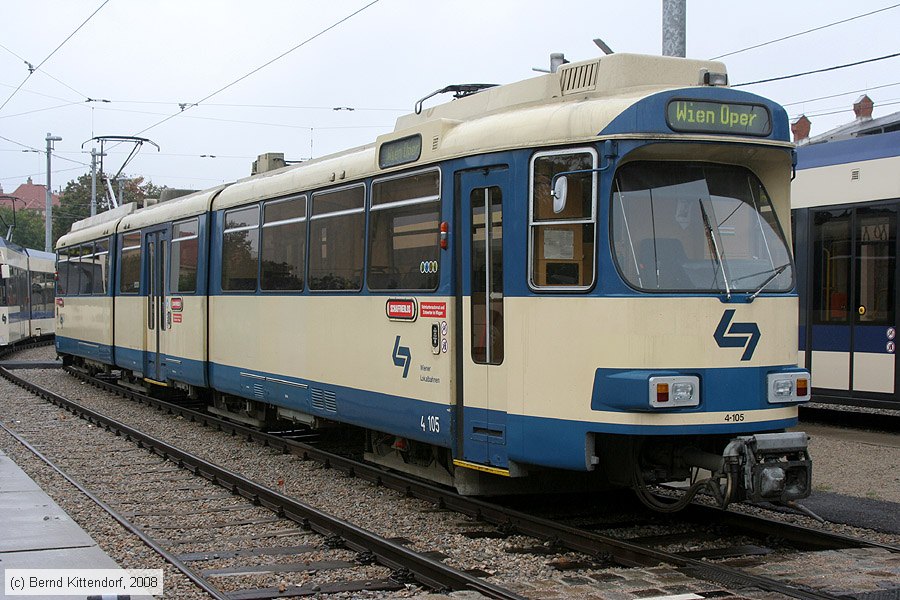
(37, 534)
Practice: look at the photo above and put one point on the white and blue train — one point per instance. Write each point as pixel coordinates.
(580, 278)
(26, 293)
(846, 197)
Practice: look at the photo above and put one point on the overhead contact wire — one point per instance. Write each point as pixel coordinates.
(263, 66)
(31, 70)
(834, 68)
(787, 37)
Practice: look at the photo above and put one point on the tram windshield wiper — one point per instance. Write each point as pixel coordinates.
(775, 273)
(711, 238)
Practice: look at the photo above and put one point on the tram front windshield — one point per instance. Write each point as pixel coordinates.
(697, 227)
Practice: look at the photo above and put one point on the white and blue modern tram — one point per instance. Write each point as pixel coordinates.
(26, 293)
(845, 197)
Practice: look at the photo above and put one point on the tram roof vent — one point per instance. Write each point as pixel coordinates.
(577, 78)
(268, 162)
(172, 193)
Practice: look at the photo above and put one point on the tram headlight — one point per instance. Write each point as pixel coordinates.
(714, 79)
(682, 392)
(783, 388)
(788, 387)
(674, 391)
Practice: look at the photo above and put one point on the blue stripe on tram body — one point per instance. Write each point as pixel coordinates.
(373, 410)
(98, 352)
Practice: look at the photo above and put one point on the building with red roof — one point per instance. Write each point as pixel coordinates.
(31, 196)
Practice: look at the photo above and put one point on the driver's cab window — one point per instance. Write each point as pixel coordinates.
(563, 228)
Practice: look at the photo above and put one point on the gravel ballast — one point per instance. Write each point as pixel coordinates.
(427, 529)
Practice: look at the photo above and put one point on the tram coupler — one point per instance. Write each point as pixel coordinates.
(769, 467)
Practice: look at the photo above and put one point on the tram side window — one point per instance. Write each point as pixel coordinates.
(876, 240)
(38, 295)
(37, 299)
(130, 274)
(74, 270)
(404, 233)
(12, 289)
(41, 293)
(24, 289)
(74, 280)
(86, 270)
(99, 266)
(240, 250)
(10, 293)
(337, 239)
(62, 272)
(185, 249)
(563, 237)
(18, 292)
(831, 267)
(284, 244)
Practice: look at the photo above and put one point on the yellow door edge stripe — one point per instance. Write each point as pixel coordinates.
(483, 468)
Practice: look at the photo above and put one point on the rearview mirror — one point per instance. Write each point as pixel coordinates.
(559, 192)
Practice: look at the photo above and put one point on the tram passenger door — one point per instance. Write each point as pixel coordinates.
(156, 249)
(482, 407)
(851, 347)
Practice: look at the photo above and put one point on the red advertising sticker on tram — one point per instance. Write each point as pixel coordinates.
(176, 318)
(433, 310)
(403, 309)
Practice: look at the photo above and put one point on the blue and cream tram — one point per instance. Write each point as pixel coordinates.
(583, 276)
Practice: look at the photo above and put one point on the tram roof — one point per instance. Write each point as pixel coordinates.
(555, 108)
(570, 106)
(182, 207)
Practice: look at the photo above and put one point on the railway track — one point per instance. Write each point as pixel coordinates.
(595, 541)
(846, 416)
(192, 513)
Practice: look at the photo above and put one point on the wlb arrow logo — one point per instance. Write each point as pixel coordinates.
(402, 357)
(737, 335)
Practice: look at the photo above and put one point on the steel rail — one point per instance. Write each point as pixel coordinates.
(621, 552)
(124, 522)
(853, 419)
(36, 342)
(791, 532)
(429, 572)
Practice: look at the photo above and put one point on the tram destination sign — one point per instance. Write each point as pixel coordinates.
(399, 152)
(702, 116)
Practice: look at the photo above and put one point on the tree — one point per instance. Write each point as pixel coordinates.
(75, 200)
(29, 230)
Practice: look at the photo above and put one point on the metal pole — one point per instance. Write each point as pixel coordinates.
(48, 225)
(673, 28)
(557, 59)
(93, 180)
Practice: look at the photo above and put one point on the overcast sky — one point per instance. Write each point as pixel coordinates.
(147, 56)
